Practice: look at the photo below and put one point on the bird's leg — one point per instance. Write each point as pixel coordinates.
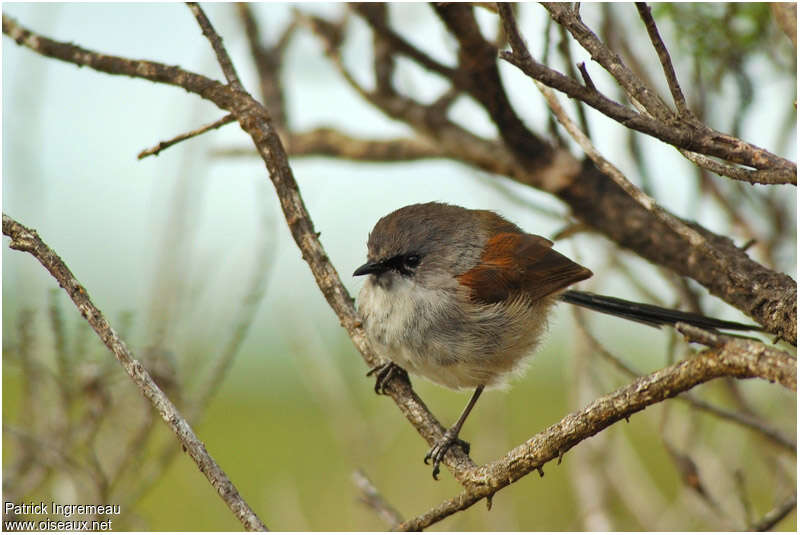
(384, 373)
(450, 437)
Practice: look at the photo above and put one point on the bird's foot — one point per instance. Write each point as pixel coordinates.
(438, 451)
(384, 373)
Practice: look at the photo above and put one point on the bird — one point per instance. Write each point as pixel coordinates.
(461, 297)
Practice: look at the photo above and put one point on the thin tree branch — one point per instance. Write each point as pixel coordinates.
(148, 70)
(269, 62)
(372, 498)
(556, 440)
(680, 228)
(400, 45)
(666, 62)
(477, 61)
(773, 176)
(785, 14)
(566, 52)
(780, 512)
(728, 147)
(216, 43)
(27, 240)
(153, 151)
(686, 136)
(766, 362)
(743, 419)
(332, 142)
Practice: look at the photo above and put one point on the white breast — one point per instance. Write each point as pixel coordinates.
(452, 343)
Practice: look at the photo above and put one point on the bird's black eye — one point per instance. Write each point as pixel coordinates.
(403, 263)
(411, 260)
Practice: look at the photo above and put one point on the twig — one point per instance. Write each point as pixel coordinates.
(745, 420)
(27, 240)
(770, 519)
(666, 62)
(269, 62)
(428, 121)
(400, 45)
(216, 43)
(552, 126)
(153, 151)
(564, 48)
(587, 80)
(778, 175)
(763, 361)
(373, 499)
(477, 63)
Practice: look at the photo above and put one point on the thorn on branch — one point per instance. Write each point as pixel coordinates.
(749, 243)
(587, 80)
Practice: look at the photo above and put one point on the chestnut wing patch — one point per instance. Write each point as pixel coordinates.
(520, 263)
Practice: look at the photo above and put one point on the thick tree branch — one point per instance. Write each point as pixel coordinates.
(477, 61)
(27, 240)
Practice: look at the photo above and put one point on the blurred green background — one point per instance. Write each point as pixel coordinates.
(184, 251)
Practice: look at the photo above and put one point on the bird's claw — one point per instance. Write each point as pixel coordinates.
(384, 373)
(441, 447)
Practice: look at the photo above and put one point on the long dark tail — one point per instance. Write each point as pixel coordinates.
(648, 314)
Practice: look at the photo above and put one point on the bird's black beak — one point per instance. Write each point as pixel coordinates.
(369, 267)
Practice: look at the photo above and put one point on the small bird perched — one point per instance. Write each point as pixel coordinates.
(462, 296)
